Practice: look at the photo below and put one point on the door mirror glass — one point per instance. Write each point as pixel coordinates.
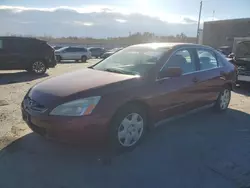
(170, 72)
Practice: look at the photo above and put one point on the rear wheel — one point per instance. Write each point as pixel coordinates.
(128, 127)
(223, 100)
(84, 59)
(38, 67)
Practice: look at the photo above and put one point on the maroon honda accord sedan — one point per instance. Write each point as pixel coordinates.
(121, 97)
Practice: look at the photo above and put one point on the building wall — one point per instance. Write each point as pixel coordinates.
(222, 33)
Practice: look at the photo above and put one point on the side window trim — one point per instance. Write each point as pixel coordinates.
(197, 60)
(174, 52)
(220, 60)
(191, 51)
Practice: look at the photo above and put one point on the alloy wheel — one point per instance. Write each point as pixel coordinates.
(38, 67)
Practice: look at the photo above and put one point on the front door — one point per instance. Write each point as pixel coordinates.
(177, 95)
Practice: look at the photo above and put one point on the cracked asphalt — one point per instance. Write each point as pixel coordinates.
(201, 150)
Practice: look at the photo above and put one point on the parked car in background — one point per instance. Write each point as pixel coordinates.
(96, 52)
(241, 59)
(110, 52)
(226, 50)
(123, 96)
(23, 53)
(57, 47)
(73, 53)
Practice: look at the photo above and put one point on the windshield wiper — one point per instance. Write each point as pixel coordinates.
(120, 71)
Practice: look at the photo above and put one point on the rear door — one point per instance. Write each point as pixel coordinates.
(69, 53)
(77, 53)
(94, 52)
(4, 56)
(82, 52)
(210, 77)
(10, 53)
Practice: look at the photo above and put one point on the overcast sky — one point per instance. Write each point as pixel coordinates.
(182, 14)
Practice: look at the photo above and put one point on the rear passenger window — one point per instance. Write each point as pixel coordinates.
(83, 50)
(70, 50)
(207, 59)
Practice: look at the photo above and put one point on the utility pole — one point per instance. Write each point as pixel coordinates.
(199, 20)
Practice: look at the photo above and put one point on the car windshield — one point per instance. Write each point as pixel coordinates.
(131, 60)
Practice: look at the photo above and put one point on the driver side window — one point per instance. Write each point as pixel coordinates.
(183, 59)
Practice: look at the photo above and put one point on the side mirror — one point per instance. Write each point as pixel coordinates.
(232, 55)
(170, 72)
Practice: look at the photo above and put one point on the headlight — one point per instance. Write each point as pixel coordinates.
(78, 107)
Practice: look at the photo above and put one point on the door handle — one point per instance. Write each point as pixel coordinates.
(195, 80)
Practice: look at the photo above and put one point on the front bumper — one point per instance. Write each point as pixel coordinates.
(243, 78)
(51, 63)
(243, 74)
(85, 129)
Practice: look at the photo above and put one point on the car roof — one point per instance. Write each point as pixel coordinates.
(17, 38)
(169, 45)
(95, 48)
(75, 47)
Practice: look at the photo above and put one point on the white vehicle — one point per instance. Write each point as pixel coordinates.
(73, 53)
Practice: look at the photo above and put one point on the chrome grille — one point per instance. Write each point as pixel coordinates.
(31, 104)
(242, 70)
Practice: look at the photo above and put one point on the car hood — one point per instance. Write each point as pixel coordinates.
(111, 52)
(54, 89)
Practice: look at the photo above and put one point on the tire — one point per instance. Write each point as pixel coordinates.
(128, 128)
(84, 59)
(223, 100)
(38, 67)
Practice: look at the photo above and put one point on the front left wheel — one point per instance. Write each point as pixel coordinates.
(128, 127)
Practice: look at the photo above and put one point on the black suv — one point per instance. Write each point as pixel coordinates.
(23, 53)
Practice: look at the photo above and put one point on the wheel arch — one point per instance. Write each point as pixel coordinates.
(229, 85)
(142, 105)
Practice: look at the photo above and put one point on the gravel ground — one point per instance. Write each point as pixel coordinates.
(202, 150)
(13, 87)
